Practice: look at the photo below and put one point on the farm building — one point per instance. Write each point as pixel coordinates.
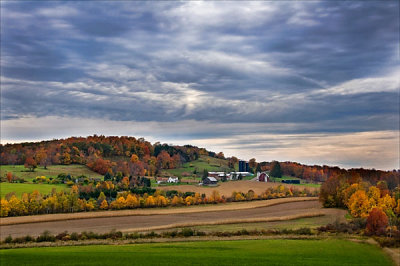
(210, 181)
(173, 180)
(161, 181)
(291, 181)
(235, 175)
(262, 177)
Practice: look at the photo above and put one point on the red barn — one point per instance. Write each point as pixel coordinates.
(263, 177)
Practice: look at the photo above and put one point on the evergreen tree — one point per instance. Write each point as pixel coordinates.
(205, 174)
(258, 169)
(276, 170)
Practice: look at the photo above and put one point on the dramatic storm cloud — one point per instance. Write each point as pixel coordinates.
(314, 82)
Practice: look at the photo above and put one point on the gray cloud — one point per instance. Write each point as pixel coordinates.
(288, 68)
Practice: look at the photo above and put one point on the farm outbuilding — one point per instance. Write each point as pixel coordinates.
(210, 181)
(262, 177)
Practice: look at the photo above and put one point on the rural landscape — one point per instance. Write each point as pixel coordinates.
(118, 190)
(199, 133)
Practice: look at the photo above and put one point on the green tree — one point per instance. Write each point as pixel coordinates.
(205, 174)
(258, 168)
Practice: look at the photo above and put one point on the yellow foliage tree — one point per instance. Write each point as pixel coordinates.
(150, 202)
(189, 200)
(374, 195)
(176, 201)
(359, 204)
(104, 205)
(387, 203)
(214, 196)
(134, 158)
(89, 205)
(4, 208)
(238, 197)
(349, 191)
(397, 209)
(131, 201)
(17, 206)
(161, 201)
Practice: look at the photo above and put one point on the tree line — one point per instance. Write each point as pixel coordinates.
(73, 201)
(378, 205)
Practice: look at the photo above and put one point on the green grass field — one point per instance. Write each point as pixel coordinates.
(201, 164)
(302, 181)
(51, 171)
(242, 252)
(19, 189)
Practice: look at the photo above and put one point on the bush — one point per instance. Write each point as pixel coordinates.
(46, 237)
(303, 231)
(8, 239)
(151, 235)
(62, 235)
(28, 238)
(74, 236)
(186, 232)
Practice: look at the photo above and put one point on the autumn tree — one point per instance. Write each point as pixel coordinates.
(42, 158)
(131, 201)
(101, 198)
(30, 163)
(104, 205)
(232, 161)
(134, 158)
(331, 192)
(4, 208)
(376, 221)
(9, 177)
(359, 204)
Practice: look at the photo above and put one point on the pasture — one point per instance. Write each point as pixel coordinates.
(239, 252)
(53, 171)
(204, 162)
(19, 189)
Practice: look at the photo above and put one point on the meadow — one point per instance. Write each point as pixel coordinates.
(242, 252)
(51, 171)
(19, 189)
(203, 163)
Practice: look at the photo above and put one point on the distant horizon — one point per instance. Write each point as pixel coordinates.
(216, 151)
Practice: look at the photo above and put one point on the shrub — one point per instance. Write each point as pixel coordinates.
(8, 239)
(46, 237)
(303, 231)
(186, 232)
(74, 236)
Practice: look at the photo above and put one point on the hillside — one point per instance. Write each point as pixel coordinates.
(128, 156)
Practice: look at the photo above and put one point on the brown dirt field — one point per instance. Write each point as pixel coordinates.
(227, 188)
(160, 221)
(165, 210)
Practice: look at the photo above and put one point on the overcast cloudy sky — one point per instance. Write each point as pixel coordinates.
(313, 82)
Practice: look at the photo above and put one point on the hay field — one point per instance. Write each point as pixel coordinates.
(276, 212)
(226, 188)
(153, 211)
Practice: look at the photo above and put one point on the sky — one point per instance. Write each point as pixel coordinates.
(315, 82)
